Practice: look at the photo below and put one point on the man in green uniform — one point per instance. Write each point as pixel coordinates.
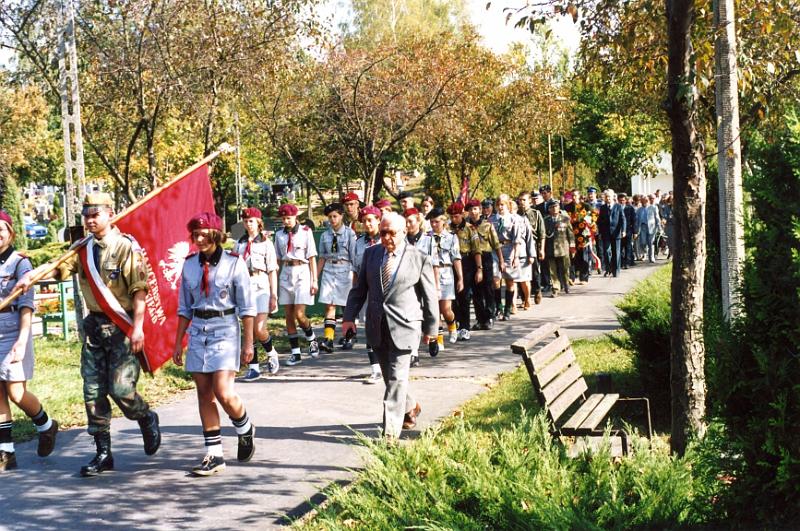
(471, 269)
(488, 244)
(560, 246)
(536, 220)
(109, 366)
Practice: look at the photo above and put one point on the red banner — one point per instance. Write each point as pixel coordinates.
(159, 225)
(463, 197)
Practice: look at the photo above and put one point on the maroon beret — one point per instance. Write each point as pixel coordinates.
(369, 209)
(205, 220)
(251, 212)
(473, 203)
(288, 210)
(456, 208)
(5, 217)
(383, 203)
(350, 196)
(410, 212)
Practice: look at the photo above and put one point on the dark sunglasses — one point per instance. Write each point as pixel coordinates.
(386, 232)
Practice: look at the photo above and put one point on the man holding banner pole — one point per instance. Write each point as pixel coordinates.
(113, 280)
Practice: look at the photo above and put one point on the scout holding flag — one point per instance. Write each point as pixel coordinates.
(297, 255)
(113, 280)
(337, 248)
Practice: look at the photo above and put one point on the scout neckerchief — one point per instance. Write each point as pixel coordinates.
(415, 238)
(335, 242)
(290, 232)
(4, 256)
(204, 261)
(258, 238)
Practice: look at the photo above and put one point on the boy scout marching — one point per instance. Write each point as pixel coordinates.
(472, 251)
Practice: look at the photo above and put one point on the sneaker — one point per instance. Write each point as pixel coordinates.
(47, 440)
(295, 359)
(247, 445)
(415, 361)
(8, 460)
(211, 464)
(313, 348)
(465, 335)
(326, 345)
(251, 376)
(453, 336)
(374, 378)
(273, 363)
(347, 345)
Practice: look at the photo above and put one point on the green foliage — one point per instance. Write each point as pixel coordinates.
(646, 317)
(47, 252)
(758, 371)
(9, 201)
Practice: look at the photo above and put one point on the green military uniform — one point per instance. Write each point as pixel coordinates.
(538, 233)
(560, 241)
(488, 244)
(468, 242)
(108, 366)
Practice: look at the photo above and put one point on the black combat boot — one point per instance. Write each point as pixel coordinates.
(103, 460)
(151, 433)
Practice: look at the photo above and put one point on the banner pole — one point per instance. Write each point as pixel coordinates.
(73, 250)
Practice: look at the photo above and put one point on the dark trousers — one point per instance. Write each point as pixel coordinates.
(485, 290)
(536, 276)
(612, 255)
(583, 263)
(627, 250)
(464, 298)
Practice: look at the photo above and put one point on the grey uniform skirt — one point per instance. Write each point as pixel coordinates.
(9, 332)
(214, 344)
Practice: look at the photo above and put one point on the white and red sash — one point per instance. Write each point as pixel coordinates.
(105, 299)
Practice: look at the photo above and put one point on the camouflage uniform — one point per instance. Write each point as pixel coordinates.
(108, 366)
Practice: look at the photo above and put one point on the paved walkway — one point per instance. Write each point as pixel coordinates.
(305, 419)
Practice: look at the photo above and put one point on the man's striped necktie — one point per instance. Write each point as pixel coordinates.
(386, 271)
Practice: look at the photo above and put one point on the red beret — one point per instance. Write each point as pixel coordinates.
(5, 217)
(205, 220)
(473, 203)
(370, 209)
(251, 212)
(383, 203)
(350, 196)
(456, 208)
(410, 212)
(287, 210)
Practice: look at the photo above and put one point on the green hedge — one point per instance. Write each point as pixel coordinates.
(645, 316)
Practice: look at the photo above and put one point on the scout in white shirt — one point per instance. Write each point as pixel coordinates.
(446, 257)
(297, 283)
(337, 248)
(258, 253)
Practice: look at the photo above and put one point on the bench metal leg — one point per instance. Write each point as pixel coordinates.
(646, 410)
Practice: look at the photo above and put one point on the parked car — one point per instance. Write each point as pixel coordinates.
(34, 231)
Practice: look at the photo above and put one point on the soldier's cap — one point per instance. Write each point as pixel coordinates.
(410, 212)
(334, 207)
(552, 203)
(473, 203)
(5, 217)
(287, 209)
(535, 194)
(486, 203)
(383, 203)
(545, 188)
(591, 189)
(350, 196)
(95, 202)
(455, 208)
(367, 210)
(435, 213)
(251, 212)
(204, 220)
(622, 195)
(405, 195)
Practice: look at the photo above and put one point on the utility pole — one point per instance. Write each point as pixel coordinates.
(550, 158)
(72, 132)
(239, 183)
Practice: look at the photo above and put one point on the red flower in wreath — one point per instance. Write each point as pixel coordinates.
(580, 239)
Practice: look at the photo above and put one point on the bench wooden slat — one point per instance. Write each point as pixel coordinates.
(542, 356)
(600, 412)
(524, 344)
(556, 366)
(565, 399)
(579, 416)
(563, 381)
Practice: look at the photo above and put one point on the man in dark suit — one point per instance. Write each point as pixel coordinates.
(397, 282)
(611, 224)
(630, 233)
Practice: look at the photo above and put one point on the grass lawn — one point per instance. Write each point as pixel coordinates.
(57, 382)
(494, 465)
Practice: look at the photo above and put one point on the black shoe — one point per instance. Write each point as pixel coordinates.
(8, 460)
(247, 445)
(103, 460)
(211, 464)
(47, 440)
(151, 432)
(347, 345)
(415, 361)
(326, 345)
(490, 324)
(433, 348)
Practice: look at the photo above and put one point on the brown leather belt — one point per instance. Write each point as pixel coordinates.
(9, 309)
(257, 273)
(210, 314)
(337, 261)
(293, 262)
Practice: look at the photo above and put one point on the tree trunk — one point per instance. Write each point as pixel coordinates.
(729, 151)
(380, 175)
(687, 373)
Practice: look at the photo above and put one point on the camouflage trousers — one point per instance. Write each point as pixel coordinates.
(109, 368)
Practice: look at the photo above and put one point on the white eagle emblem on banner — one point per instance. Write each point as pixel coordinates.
(173, 265)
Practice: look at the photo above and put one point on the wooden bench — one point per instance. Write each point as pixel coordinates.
(561, 390)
